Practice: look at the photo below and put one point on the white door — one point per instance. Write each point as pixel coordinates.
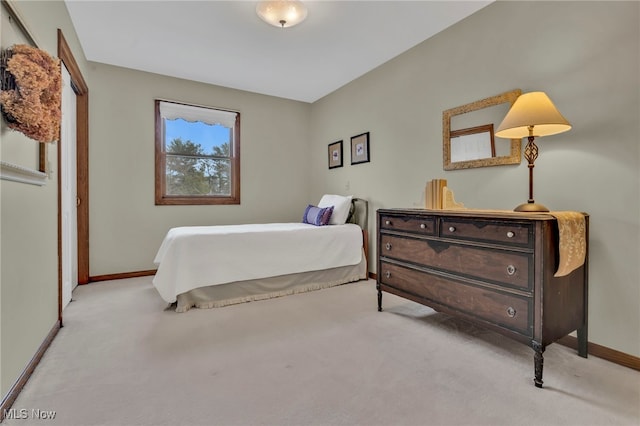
(69, 191)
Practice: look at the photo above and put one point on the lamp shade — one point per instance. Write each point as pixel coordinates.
(282, 13)
(534, 111)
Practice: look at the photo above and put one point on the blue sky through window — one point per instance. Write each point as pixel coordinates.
(204, 134)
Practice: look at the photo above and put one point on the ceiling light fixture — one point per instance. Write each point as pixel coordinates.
(282, 13)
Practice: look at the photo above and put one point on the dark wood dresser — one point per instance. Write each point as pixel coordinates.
(496, 269)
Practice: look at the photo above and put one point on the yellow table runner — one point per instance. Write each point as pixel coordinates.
(573, 241)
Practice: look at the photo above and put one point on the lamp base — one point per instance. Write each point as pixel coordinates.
(531, 207)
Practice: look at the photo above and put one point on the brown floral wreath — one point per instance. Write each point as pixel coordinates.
(31, 92)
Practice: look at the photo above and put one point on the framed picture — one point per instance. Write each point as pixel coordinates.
(335, 155)
(360, 148)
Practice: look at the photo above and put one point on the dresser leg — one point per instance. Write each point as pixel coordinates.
(379, 298)
(538, 361)
(582, 341)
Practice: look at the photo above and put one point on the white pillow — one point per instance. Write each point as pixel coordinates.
(341, 206)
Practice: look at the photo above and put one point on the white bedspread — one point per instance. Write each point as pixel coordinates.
(198, 256)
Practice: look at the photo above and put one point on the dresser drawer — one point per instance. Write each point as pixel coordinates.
(515, 234)
(423, 225)
(509, 311)
(498, 266)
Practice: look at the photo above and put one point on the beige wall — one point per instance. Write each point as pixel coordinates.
(28, 224)
(585, 55)
(126, 228)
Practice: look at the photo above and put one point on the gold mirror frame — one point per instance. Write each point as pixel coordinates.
(514, 156)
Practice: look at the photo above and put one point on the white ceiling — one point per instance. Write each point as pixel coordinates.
(225, 43)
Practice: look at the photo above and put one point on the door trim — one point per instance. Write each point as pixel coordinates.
(82, 166)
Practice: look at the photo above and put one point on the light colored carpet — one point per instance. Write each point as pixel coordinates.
(320, 358)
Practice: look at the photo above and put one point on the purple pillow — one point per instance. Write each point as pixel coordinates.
(317, 216)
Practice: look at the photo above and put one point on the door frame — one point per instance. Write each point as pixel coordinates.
(82, 166)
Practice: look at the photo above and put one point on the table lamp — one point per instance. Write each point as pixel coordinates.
(532, 114)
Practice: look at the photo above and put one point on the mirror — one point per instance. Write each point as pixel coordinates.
(467, 134)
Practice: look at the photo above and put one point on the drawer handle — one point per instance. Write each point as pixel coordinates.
(387, 274)
(387, 222)
(510, 234)
(423, 226)
(388, 246)
(452, 229)
(511, 312)
(511, 269)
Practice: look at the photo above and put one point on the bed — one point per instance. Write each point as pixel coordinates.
(215, 266)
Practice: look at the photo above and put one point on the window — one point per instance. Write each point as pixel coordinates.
(197, 155)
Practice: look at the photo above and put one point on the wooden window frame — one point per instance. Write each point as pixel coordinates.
(161, 198)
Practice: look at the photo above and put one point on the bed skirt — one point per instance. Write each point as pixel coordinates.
(220, 295)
